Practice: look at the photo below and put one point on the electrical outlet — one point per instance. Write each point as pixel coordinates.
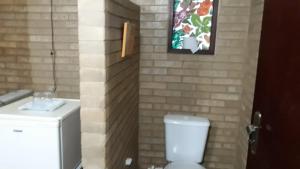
(151, 167)
(128, 161)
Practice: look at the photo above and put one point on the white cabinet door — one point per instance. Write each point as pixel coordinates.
(28, 145)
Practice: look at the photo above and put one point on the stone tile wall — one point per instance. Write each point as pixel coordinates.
(207, 86)
(122, 87)
(91, 16)
(25, 43)
(249, 78)
(109, 85)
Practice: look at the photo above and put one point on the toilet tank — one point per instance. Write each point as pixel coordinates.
(185, 137)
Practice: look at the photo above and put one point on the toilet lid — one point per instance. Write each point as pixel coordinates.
(182, 165)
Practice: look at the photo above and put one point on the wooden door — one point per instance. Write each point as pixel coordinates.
(277, 93)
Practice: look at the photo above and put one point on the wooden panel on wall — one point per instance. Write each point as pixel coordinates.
(129, 39)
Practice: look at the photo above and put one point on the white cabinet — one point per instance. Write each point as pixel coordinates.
(32, 140)
(29, 144)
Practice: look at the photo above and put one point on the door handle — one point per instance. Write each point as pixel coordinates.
(251, 129)
(253, 132)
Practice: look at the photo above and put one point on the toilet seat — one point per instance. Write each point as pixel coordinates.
(183, 165)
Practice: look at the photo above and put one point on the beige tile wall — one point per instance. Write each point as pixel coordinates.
(250, 78)
(208, 86)
(91, 17)
(25, 44)
(122, 87)
(109, 85)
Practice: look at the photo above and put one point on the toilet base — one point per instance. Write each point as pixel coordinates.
(183, 165)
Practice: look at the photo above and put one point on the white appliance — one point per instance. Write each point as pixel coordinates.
(40, 139)
(185, 141)
(14, 96)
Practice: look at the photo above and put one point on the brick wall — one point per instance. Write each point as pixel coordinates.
(108, 85)
(91, 18)
(207, 86)
(25, 44)
(250, 78)
(121, 88)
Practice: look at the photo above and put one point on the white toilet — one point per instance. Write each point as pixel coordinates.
(185, 141)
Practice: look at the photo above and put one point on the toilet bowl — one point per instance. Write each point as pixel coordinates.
(183, 165)
(185, 141)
